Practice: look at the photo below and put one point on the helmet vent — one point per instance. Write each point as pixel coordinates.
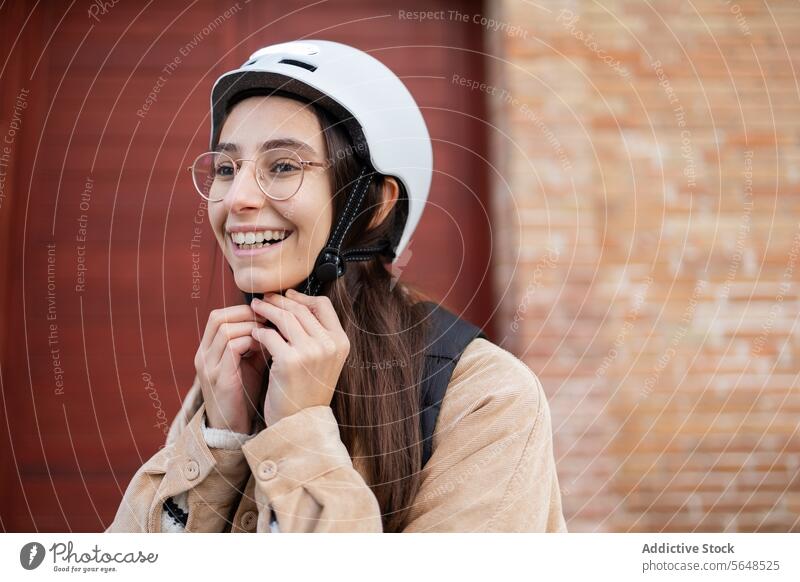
(300, 64)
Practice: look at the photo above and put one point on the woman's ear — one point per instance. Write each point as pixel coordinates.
(390, 193)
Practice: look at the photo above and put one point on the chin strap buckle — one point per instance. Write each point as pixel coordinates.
(330, 265)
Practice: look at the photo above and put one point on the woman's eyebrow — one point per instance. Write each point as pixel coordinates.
(282, 142)
(287, 142)
(226, 147)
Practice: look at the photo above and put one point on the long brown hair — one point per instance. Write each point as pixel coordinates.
(377, 397)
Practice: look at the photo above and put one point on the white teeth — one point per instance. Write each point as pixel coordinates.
(253, 239)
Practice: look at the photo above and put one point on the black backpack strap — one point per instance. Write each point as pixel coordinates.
(448, 337)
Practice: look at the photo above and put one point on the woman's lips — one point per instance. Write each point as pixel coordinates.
(250, 252)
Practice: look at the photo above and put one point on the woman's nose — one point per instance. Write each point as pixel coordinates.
(244, 191)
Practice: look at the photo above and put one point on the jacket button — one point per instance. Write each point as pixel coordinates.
(249, 519)
(191, 470)
(267, 470)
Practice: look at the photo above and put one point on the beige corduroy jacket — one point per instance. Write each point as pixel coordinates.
(492, 468)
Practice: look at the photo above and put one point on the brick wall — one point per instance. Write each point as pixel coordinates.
(647, 232)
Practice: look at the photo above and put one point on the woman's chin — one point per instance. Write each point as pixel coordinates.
(254, 280)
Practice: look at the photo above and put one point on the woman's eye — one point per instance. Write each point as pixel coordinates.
(283, 168)
(224, 170)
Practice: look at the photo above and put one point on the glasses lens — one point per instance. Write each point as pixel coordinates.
(280, 173)
(212, 173)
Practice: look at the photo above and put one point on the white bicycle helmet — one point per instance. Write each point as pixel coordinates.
(370, 101)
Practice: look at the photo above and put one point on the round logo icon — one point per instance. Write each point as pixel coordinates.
(31, 555)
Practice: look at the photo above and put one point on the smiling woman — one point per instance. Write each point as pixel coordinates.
(278, 433)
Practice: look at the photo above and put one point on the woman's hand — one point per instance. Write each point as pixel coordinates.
(229, 383)
(307, 355)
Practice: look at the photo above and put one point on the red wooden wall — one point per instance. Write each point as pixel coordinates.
(87, 373)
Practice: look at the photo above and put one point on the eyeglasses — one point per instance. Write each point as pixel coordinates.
(279, 173)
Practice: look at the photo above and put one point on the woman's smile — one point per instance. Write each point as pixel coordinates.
(247, 241)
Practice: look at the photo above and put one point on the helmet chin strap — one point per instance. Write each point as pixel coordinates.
(331, 262)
